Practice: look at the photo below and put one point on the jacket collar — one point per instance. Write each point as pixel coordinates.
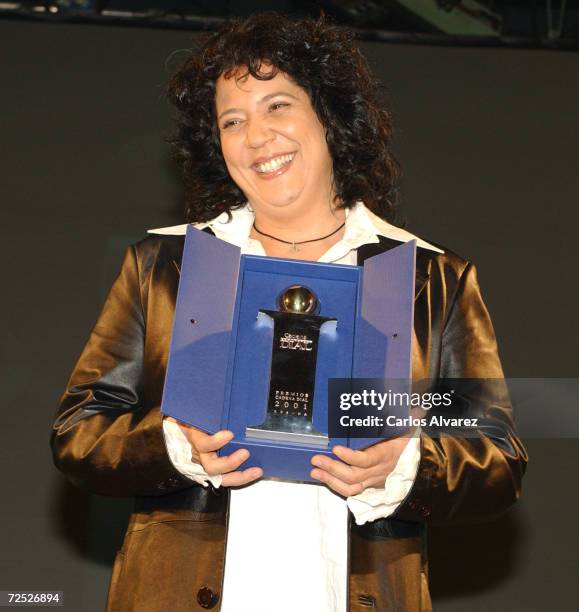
(362, 227)
(365, 231)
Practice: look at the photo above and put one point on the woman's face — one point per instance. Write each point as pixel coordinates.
(273, 143)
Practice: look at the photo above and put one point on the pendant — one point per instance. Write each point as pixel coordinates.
(295, 247)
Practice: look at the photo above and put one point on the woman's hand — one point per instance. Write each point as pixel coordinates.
(204, 451)
(358, 470)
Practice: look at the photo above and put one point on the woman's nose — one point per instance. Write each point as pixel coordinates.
(257, 134)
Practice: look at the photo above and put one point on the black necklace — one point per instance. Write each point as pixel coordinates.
(294, 244)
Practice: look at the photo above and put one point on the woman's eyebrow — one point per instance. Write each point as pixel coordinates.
(229, 111)
(265, 98)
(277, 93)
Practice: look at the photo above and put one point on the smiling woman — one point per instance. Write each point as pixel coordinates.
(286, 152)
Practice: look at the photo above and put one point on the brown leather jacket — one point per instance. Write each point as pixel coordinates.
(108, 438)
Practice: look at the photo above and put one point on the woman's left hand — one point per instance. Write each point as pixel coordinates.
(358, 470)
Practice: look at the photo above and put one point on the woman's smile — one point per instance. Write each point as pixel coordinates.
(272, 167)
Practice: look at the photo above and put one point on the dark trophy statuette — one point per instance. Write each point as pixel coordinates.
(296, 332)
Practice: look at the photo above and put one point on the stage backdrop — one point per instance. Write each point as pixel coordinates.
(487, 139)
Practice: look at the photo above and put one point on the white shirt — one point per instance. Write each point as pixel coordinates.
(291, 539)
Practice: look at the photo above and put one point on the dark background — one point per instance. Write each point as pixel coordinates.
(488, 142)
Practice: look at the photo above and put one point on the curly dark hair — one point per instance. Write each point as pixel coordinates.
(326, 62)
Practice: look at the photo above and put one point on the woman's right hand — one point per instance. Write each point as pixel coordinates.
(204, 449)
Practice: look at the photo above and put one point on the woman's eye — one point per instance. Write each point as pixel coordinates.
(277, 105)
(230, 123)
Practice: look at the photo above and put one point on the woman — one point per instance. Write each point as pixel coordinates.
(286, 153)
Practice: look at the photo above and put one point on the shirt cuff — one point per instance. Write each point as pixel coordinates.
(179, 449)
(374, 504)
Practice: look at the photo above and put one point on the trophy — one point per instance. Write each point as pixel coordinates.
(296, 332)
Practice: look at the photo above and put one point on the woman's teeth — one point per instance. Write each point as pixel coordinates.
(274, 164)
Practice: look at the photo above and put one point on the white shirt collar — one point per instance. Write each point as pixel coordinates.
(362, 227)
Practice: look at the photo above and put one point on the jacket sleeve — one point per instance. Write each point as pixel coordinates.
(106, 438)
(462, 478)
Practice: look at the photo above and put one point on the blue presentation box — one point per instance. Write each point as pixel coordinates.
(220, 357)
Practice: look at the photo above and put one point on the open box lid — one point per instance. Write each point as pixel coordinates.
(199, 354)
(383, 341)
